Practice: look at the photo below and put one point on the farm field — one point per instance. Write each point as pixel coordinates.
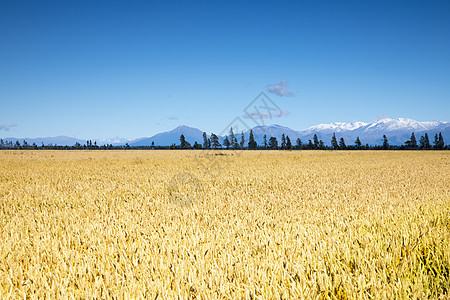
(225, 225)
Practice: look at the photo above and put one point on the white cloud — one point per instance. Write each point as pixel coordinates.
(7, 126)
(279, 89)
(173, 118)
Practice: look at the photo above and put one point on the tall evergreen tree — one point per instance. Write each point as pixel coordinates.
(288, 143)
(265, 142)
(310, 145)
(226, 142)
(215, 141)
(242, 143)
(283, 142)
(358, 143)
(342, 145)
(205, 140)
(316, 141)
(436, 141)
(273, 143)
(183, 143)
(441, 141)
(334, 142)
(412, 142)
(298, 144)
(427, 141)
(385, 142)
(422, 142)
(233, 139)
(235, 143)
(252, 145)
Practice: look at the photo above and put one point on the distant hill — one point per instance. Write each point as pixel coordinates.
(57, 140)
(172, 137)
(397, 131)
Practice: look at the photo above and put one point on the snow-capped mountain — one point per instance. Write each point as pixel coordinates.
(397, 131)
(385, 125)
(333, 127)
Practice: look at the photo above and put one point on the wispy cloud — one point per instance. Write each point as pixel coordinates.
(173, 118)
(7, 126)
(266, 115)
(279, 89)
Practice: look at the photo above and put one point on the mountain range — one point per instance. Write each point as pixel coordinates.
(397, 131)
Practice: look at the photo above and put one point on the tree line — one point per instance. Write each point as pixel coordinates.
(236, 142)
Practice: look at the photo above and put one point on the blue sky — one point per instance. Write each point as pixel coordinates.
(91, 69)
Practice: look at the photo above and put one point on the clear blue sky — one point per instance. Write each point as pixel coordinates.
(91, 69)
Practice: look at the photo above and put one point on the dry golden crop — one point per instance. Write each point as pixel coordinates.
(212, 225)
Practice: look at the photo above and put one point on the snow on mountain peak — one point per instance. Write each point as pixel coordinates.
(336, 127)
(389, 124)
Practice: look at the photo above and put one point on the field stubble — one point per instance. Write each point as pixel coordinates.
(204, 224)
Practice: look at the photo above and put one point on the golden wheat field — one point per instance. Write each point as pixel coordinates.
(224, 225)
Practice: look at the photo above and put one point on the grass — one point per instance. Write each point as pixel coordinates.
(253, 225)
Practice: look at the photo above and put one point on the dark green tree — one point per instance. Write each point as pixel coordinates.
(283, 142)
(321, 145)
(358, 143)
(298, 144)
(242, 143)
(436, 141)
(226, 142)
(288, 143)
(334, 142)
(342, 145)
(385, 142)
(183, 142)
(235, 144)
(265, 142)
(427, 141)
(205, 140)
(233, 139)
(316, 141)
(215, 141)
(197, 145)
(412, 142)
(310, 145)
(439, 141)
(273, 143)
(252, 145)
(424, 142)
